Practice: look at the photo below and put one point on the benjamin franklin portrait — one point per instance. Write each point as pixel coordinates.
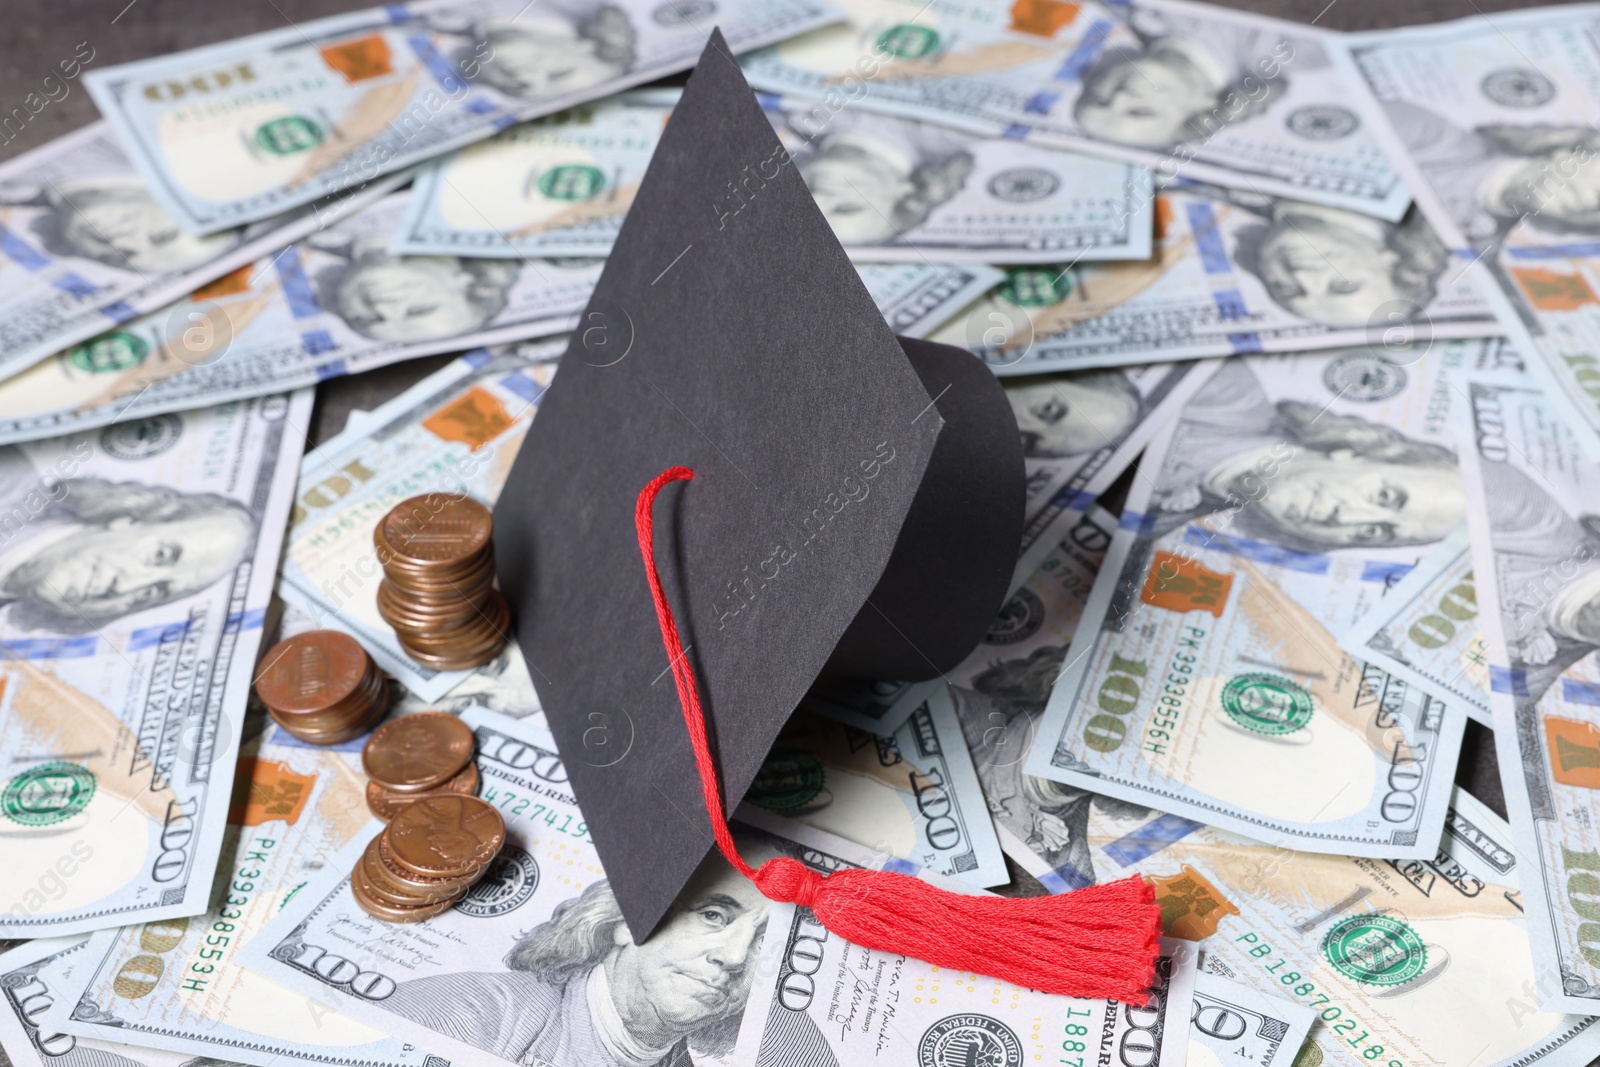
(80, 553)
(1491, 177)
(1340, 268)
(876, 179)
(1070, 414)
(410, 299)
(578, 991)
(114, 220)
(555, 49)
(1186, 77)
(1314, 481)
(1547, 572)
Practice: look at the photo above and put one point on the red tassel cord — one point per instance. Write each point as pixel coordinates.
(1098, 942)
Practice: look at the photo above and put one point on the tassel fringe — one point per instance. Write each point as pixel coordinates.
(1097, 942)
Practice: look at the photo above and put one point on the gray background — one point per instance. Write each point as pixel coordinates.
(39, 33)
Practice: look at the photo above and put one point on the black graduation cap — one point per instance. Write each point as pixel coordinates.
(856, 509)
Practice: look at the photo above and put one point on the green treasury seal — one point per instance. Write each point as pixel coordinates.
(1266, 703)
(1375, 950)
(788, 781)
(109, 353)
(572, 182)
(288, 135)
(47, 794)
(906, 41)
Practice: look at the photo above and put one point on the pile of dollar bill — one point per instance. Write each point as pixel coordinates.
(1324, 308)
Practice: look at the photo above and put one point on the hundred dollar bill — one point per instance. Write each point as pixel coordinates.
(1422, 963)
(458, 431)
(84, 246)
(1234, 272)
(1194, 90)
(233, 132)
(135, 568)
(32, 979)
(912, 794)
(894, 190)
(825, 1002)
(1493, 124)
(339, 303)
(537, 965)
(1000, 692)
(179, 984)
(1262, 522)
(1534, 517)
(1079, 433)
(1425, 630)
(333, 303)
(1234, 1024)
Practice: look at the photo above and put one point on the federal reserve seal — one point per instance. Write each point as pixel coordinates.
(1322, 122)
(969, 1041)
(788, 781)
(1023, 185)
(506, 886)
(1267, 704)
(142, 439)
(1365, 376)
(1019, 620)
(1376, 950)
(1518, 87)
(47, 794)
(683, 12)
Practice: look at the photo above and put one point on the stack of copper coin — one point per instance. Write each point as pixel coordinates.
(428, 858)
(438, 589)
(416, 756)
(322, 687)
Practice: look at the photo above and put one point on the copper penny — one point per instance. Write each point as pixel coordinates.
(407, 606)
(362, 890)
(385, 869)
(386, 804)
(459, 661)
(435, 528)
(312, 671)
(436, 577)
(323, 737)
(480, 630)
(368, 695)
(460, 615)
(397, 895)
(446, 835)
(416, 753)
(468, 647)
(344, 724)
(396, 561)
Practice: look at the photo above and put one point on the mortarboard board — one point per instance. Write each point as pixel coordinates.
(843, 519)
(855, 509)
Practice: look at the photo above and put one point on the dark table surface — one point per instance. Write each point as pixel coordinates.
(42, 32)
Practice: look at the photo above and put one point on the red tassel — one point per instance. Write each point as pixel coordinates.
(1098, 942)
